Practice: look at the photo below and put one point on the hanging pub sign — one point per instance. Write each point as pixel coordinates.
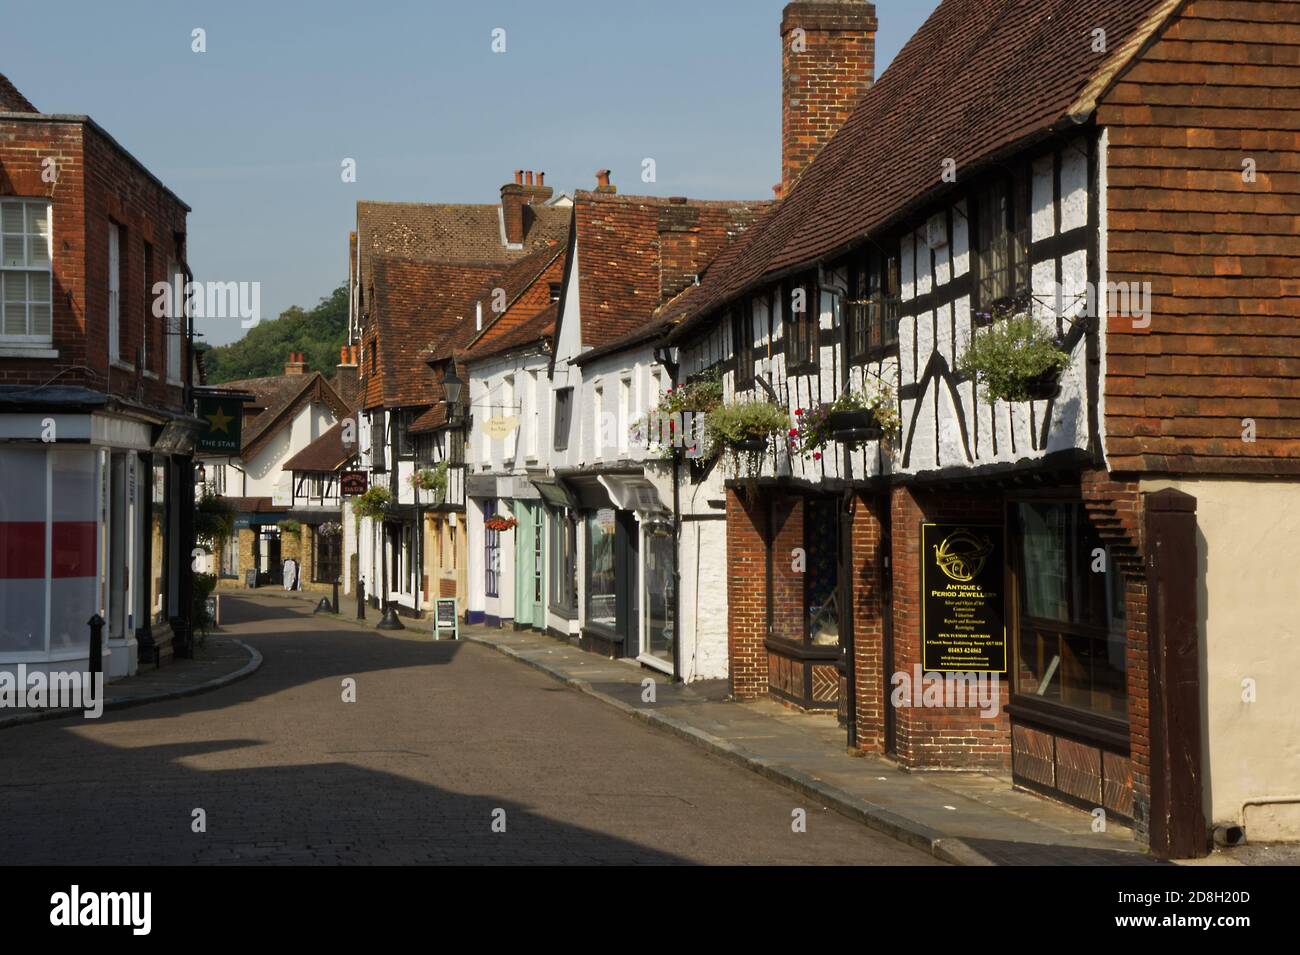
(963, 624)
(352, 483)
(222, 418)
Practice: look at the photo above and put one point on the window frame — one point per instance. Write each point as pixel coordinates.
(802, 334)
(1003, 286)
(116, 243)
(563, 422)
(28, 337)
(742, 345)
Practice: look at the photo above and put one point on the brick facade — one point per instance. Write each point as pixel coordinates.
(933, 738)
(746, 595)
(1218, 89)
(96, 183)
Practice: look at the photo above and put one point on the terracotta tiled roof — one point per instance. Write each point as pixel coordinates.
(417, 303)
(526, 288)
(979, 79)
(276, 396)
(12, 101)
(450, 233)
(636, 252)
(535, 331)
(326, 453)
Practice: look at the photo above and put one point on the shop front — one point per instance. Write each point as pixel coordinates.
(628, 576)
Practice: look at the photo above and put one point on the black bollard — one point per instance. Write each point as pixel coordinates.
(361, 600)
(96, 644)
(335, 603)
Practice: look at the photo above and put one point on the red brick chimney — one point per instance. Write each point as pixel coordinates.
(516, 197)
(602, 182)
(828, 60)
(297, 364)
(347, 377)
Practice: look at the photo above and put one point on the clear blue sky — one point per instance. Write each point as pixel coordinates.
(252, 133)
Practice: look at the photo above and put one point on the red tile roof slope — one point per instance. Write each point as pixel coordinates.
(326, 453)
(12, 101)
(416, 303)
(979, 78)
(636, 252)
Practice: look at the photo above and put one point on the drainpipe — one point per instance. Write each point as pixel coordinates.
(663, 356)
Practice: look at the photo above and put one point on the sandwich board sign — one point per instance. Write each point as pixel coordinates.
(446, 619)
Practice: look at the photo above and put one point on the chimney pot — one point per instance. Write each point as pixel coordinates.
(541, 178)
(528, 178)
(519, 177)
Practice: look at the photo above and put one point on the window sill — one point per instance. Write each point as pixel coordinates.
(8, 350)
(151, 375)
(122, 365)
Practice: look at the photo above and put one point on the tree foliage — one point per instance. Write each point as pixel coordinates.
(318, 332)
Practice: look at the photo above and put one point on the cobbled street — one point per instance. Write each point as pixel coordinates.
(440, 737)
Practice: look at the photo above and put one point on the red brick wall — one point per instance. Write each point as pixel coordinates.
(934, 737)
(95, 182)
(867, 586)
(1219, 86)
(746, 596)
(821, 85)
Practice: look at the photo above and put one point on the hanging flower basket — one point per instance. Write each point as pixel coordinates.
(329, 529)
(499, 523)
(852, 427)
(1016, 360)
(852, 418)
(1044, 387)
(749, 446)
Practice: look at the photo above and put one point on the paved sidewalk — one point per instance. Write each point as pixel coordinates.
(965, 818)
(221, 660)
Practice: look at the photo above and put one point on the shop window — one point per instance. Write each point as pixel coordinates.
(564, 563)
(1072, 632)
(601, 591)
(328, 557)
(1002, 244)
(821, 575)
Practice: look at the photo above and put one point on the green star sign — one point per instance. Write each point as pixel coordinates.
(222, 419)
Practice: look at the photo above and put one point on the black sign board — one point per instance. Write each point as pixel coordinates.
(963, 622)
(250, 578)
(353, 483)
(222, 419)
(445, 618)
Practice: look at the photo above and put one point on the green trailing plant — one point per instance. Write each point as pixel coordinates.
(1013, 359)
(214, 521)
(329, 529)
(430, 479)
(729, 427)
(374, 504)
(289, 526)
(696, 398)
